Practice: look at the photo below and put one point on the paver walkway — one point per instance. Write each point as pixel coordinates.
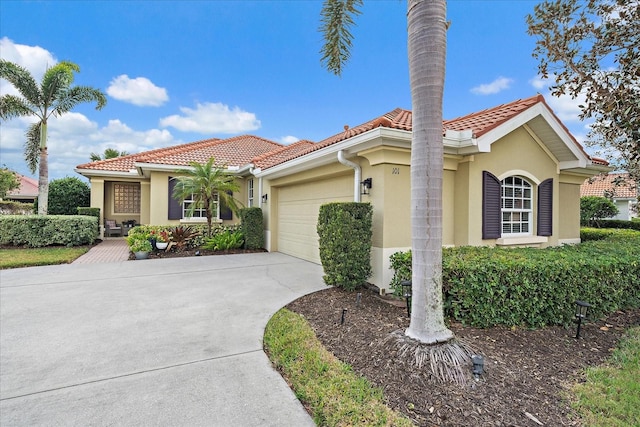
(112, 249)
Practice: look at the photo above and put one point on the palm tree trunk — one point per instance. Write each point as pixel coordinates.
(43, 172)
(427, 53)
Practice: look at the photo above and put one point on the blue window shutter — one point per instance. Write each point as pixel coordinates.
(491, 206)
(175, 207)
(545, 208)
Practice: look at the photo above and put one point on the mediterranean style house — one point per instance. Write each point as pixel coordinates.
(619, 187)
(512, 177)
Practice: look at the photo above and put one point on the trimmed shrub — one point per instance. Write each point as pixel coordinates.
(8, 207)
(66, 195)
(619, 223)
(401, 266)
(588, 234)
(91, 212)
(252, 227)
(486, 286)
(46, 230)
(345, 243)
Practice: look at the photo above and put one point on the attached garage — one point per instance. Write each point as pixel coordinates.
(298, 207)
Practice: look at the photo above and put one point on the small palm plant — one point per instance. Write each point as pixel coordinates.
(208, 185)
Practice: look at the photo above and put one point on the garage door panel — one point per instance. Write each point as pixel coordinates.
(298, 207)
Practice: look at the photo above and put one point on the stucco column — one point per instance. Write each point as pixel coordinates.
(145, 202)
(97, 200)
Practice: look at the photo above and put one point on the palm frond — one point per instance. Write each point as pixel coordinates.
(32, 146)
(11, 106)
(70, 97)
(337, 18)
(57, 79)
(22, 80)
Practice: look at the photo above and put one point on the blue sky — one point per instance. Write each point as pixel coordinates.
(182, 71)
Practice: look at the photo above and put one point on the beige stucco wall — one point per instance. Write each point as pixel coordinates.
(569, 215)
(516, 154)
(159, 199)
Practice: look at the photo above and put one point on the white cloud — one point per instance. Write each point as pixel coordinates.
(33, 58)
(73, 137)
(539, 83)
(139, 91)
(211, 118)
(564, 106)
(289, 139)
(498, 85)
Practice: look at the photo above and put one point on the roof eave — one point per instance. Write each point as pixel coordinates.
(112, 174)
(327, 155)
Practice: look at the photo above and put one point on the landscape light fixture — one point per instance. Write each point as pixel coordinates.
(406, 293)
(581, 313)
(366, 186)
(478, 365)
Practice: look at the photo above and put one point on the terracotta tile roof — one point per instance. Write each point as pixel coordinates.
(479, 123)
(242, 150)
(483, 121)
(236, 151)
(396, 119)
(602, 184)
(28, 188)
(281, 154)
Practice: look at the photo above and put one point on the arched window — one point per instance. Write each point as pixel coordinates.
(517, 210)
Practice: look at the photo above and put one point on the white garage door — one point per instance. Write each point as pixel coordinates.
(298, 207)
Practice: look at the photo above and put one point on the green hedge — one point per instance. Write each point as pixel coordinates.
(46, 230)
(8, 207)
(252, 227)
(619, 223)
(529, 287)
(91, 212)
(345, 243)
(588, 234)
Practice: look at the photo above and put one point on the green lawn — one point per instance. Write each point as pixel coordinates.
(611, 395)
(330, 388)
(14, 258)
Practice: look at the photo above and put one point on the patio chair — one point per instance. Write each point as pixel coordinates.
(112, 228)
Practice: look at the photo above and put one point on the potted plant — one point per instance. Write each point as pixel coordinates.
(162, 240)
(139, 246)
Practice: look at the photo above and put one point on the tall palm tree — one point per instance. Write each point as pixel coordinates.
(53, 96)
(427, 28)
(208, 185)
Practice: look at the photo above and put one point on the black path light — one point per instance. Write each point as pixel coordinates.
(581, 313)
(406, 293)
(478, 365)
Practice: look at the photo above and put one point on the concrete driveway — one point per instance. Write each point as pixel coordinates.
(171, 342)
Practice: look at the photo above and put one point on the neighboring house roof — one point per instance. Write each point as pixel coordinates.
(618, 185)
(28, 189)
(234, 152)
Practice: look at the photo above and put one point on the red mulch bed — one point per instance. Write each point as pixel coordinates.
(528, 373)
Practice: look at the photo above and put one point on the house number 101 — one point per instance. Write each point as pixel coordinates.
(395, 171)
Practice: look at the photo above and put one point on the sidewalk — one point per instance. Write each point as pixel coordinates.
(112, 249)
